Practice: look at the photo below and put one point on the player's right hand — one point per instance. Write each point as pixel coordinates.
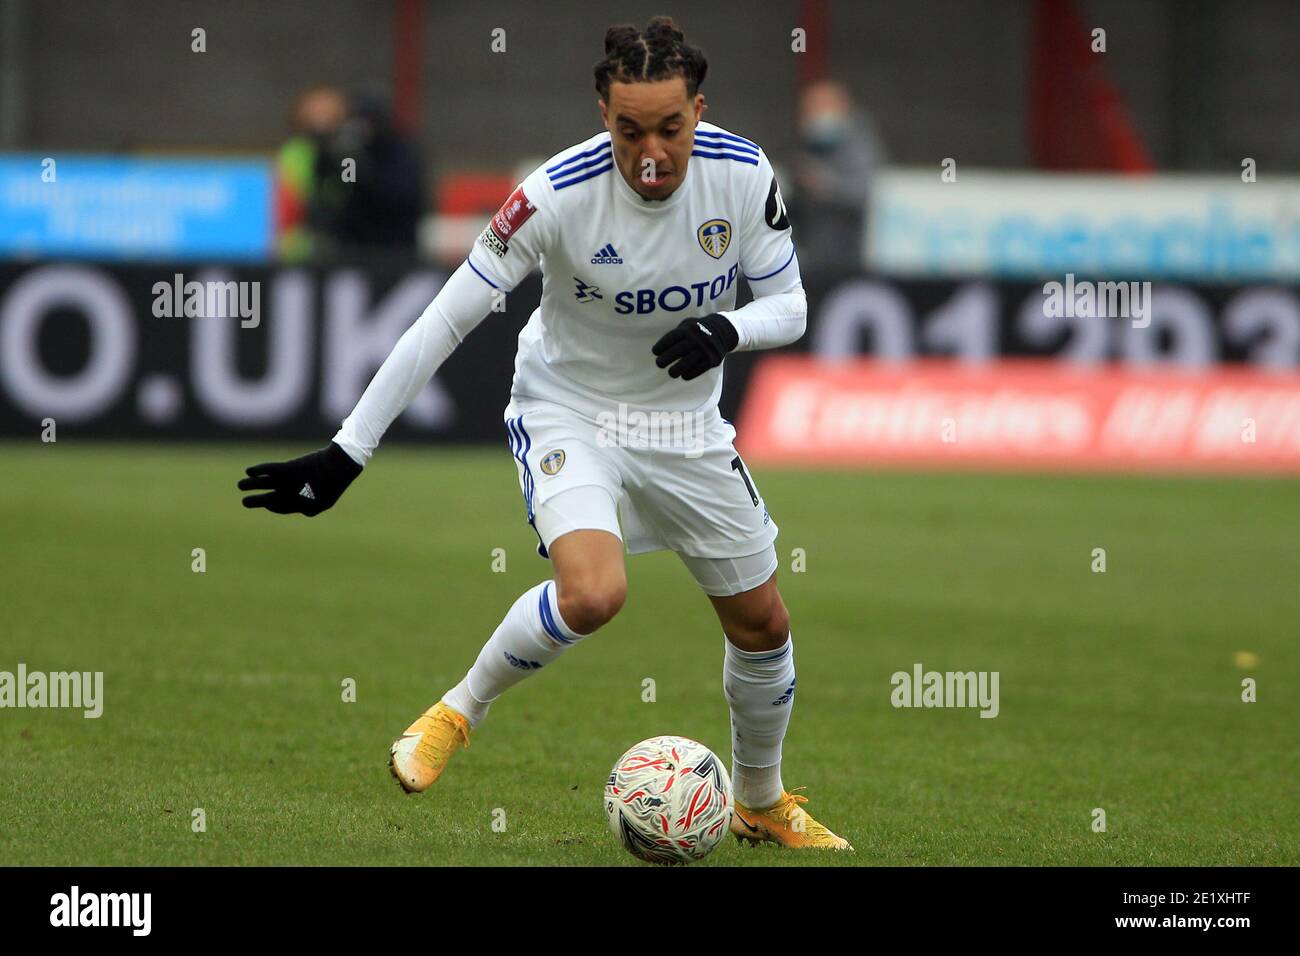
(307, 485)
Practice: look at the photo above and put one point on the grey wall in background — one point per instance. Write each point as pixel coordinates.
(1208, 82)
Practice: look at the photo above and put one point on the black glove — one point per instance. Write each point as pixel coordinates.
(696, 345)
(307, 485)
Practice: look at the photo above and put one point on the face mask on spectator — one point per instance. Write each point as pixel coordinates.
(824, 132)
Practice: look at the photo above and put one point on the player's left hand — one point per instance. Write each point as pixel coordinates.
(695, 346)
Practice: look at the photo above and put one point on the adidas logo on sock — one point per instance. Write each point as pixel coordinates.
(306, 492)
(607, 257)
(787, 696)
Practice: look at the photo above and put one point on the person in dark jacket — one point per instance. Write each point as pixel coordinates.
(384, 205)
(836, 161)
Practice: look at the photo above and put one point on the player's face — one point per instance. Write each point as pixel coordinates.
(652, 126)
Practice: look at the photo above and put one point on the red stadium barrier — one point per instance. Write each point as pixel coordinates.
(1020, 414)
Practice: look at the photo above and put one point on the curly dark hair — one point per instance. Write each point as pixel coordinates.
(658, 52)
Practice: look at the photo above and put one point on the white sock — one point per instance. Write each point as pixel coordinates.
(531, 635)
(760, 691)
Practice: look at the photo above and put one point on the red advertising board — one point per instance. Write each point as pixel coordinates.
(1020, 414)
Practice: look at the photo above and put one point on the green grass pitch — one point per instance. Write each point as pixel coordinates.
(223, 689)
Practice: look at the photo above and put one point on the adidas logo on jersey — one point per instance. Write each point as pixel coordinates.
(607, 256)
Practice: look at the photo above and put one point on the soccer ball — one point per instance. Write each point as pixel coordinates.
(668, 800)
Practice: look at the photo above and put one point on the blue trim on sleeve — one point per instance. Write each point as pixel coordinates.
(775, 271)
(759, 278)
(720, 141)
(480, 274)
(579, 167)
(752, 161)
(606, 145)
(558, 184)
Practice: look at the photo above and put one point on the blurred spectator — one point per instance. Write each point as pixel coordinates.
(384, 205)
(326, 205)
(837, 158)
(309, 194)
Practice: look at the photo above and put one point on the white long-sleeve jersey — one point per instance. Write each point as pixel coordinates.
(618, 271)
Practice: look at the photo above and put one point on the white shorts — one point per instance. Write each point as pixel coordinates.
(693, 497)
(590, 507)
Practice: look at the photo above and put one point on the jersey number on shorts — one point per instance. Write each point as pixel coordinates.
(738, 465)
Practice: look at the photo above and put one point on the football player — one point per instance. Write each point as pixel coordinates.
(643, 232)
